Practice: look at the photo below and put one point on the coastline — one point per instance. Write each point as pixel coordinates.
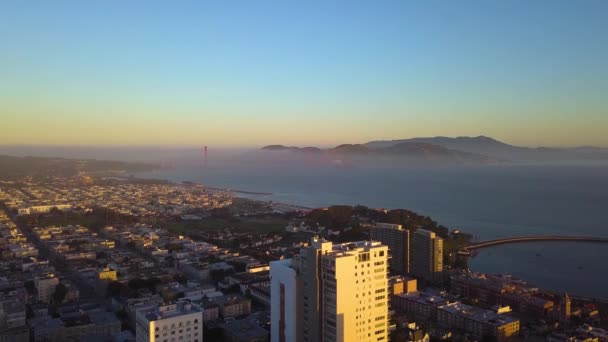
(500, 263)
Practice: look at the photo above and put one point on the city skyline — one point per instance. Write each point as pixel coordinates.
(529, 74)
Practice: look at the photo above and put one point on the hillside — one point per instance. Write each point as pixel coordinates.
(12, 167)
(405, 150)
(493, 148)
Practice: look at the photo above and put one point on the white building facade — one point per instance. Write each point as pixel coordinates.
(334, 293)
(181, 322)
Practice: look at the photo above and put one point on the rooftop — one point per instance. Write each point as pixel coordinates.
(245, 328)
(169, 311)
(424, 298)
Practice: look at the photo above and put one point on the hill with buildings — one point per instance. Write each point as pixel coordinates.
(17, 167)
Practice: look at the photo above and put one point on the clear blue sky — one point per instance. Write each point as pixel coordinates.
(256, 72)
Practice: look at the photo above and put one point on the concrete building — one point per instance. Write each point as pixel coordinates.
(478, 322)
(178, 322)
(42, 209)
(45, 285)
(12, 313)
(427, 256)
(74, 326)
(564, 308)
(399, 285)
(491, 290)
(211, 311)
(244, 330)
(342, 291)
(233, 306)
(418, 305)
(285, 300)
(398, 241)
(20, 334)
(104, 277)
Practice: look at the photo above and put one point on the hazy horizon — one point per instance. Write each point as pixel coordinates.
(318, 73)
(270, 142)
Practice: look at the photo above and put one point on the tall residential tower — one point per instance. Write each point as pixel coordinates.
(398, 241)
(427, 256)
(342, 293)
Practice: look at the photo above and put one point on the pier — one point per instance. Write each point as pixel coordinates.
(483, 244)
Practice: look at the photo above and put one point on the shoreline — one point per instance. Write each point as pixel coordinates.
(252, 194)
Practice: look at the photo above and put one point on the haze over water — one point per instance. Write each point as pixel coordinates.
(487, 201)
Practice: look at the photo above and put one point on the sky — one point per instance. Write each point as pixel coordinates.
(252, 73)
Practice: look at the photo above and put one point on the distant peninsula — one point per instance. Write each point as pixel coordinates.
(480, 149)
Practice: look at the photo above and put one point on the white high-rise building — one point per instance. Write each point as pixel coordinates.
(341, 293)
(286, 301)
(181, 322)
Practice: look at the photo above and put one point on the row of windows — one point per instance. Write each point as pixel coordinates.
(173, 325)
(363, 257)
(381, 253)
(180, 331)
(173, 338)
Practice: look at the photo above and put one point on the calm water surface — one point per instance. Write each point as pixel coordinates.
(489, 202)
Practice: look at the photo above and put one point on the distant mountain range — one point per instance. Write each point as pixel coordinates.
(405, 150)
(491, 147)
(479, 149)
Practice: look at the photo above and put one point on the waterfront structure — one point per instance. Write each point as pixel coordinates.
(478, 322)
(491, 290)
(179, 322)
(427, 256)
(398, 241)
(332, 293)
